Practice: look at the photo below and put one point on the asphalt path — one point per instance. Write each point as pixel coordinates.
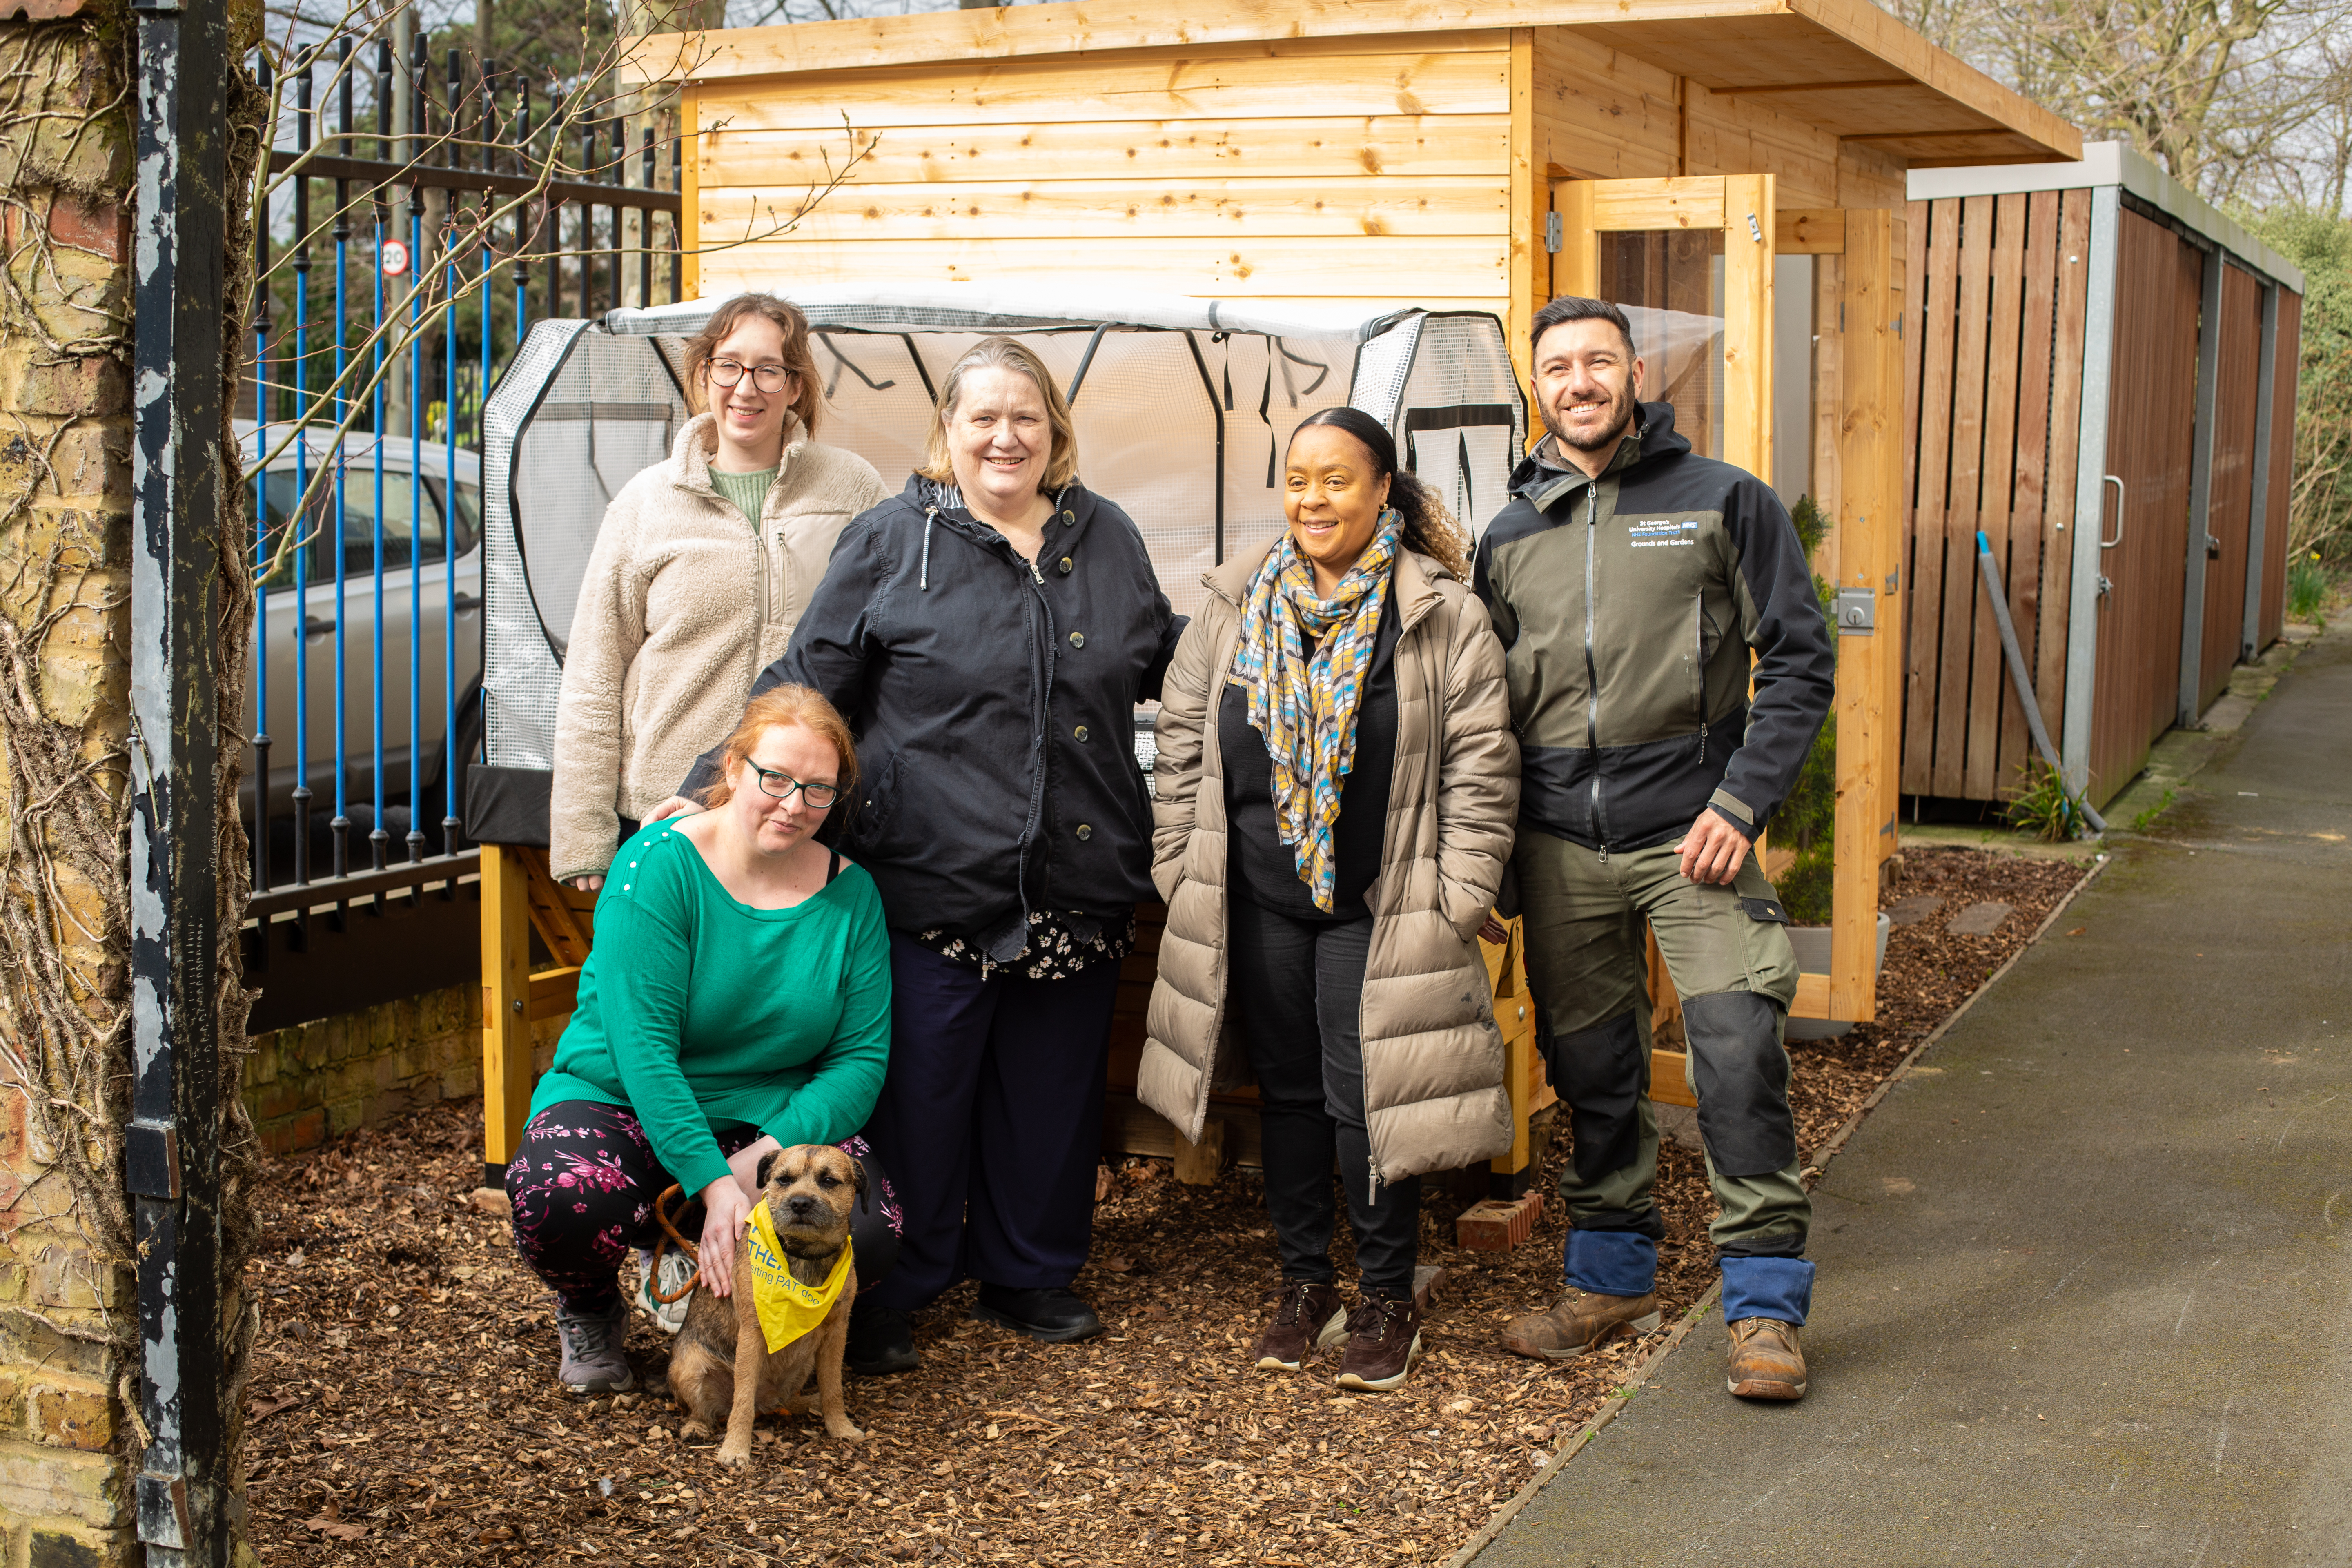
(2084, 1294)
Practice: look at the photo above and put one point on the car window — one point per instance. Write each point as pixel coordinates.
(400, 536)
(469, 511)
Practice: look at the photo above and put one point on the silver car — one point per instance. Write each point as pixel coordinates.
(296, 632)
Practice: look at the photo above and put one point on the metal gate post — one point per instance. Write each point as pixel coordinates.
(2250, 635)
(2089, 586)
(2201, 491)
(173, 1144)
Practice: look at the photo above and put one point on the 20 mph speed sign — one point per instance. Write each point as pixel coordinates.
(395, 258)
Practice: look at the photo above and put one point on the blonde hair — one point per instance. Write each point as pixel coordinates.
(775, 708)
(1006, 353)
(797, 356)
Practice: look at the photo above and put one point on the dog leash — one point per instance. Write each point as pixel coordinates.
(661, 1245)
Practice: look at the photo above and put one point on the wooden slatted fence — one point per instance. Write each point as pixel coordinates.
(1995, 388)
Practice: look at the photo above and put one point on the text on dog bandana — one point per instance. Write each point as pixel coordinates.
(787, 1308)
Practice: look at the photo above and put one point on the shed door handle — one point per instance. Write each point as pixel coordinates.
(2104, 542)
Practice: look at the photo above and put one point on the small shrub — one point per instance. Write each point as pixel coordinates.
(1807, 821)
(2306, 588)
(2040, 803)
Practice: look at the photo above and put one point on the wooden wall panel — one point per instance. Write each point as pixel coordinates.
(2151, 419)
(2272, 618)
(1603, 115)
(1726, 134)
(1995, 423)
(1314, 169)
(2229, 515)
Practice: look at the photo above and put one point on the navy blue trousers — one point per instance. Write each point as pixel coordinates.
(990, 1122)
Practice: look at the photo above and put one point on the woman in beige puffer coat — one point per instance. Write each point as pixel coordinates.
(702, 566)
(1327, 879)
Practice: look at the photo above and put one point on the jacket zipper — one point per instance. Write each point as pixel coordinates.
(780, 587)
(1592, 671)
(1698, 666)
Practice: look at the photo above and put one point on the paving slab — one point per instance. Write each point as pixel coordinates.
(2086, 1294)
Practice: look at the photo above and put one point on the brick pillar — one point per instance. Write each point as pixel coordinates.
(67, 1318)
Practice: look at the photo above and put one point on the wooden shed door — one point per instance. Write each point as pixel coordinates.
(2151, 432)
(1692, 261)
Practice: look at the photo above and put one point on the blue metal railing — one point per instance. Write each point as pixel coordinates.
(480, 146)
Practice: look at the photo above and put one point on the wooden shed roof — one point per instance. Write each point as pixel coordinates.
(1842, 64)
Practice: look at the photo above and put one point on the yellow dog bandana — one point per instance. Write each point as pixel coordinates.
(787, 1308)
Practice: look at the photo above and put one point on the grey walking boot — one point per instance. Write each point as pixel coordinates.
(592, 1362)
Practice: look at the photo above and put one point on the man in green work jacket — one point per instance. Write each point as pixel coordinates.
(1628, 578)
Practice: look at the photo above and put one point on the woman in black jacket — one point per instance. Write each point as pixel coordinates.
(987, 632)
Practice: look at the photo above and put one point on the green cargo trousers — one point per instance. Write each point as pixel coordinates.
(1735, 973)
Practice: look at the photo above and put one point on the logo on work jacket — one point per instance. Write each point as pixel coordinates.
(1660, 532)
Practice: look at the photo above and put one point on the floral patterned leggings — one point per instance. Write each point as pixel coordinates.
(584, 1188)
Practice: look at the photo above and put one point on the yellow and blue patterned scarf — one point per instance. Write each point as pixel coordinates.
(1305, 704)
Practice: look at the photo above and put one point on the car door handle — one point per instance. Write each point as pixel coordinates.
(313, 626)
(468, 602)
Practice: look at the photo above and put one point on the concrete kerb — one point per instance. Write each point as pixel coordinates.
(1611, 1407)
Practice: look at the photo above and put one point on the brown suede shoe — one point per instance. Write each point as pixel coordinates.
(1582, 1321)
(1383, 1341)
(1765, 1361)
(1309, 1317)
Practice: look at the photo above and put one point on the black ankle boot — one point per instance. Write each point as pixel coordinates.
(881, 1342)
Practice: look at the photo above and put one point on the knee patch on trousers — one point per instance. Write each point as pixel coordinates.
(1741, 1073)
(1599, 1072)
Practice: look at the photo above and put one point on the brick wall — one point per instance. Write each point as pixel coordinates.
(309, 1083)
(67, 1318)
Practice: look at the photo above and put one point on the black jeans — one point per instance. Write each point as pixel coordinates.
(1295, 993)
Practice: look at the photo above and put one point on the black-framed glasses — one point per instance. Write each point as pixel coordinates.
(820, 796)
(766, 377)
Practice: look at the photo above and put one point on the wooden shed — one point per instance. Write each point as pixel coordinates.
(2101, 377)
(1732, 170)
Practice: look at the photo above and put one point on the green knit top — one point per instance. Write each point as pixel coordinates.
(696, 1009)
(748, 492)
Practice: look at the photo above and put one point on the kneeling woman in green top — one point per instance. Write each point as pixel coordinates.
(738, 1002)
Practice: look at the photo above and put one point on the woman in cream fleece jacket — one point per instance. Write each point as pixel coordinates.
(702, 566)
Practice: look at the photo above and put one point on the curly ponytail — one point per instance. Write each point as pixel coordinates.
(1429, 526)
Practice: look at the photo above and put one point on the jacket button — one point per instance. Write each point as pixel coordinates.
(1065, 567)
(1077, 639)
(1085, 831)
(1080, 733)
(1069, 517)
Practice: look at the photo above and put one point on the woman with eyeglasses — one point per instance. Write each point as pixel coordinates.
(702, 566)
(738, 1002)
(988, 631)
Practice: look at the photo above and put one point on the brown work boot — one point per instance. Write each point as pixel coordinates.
(1307, 1317)
(1764, 1360)
(1583, 1320)
(1383, 1341)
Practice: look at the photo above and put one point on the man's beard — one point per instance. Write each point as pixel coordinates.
(1624, 409)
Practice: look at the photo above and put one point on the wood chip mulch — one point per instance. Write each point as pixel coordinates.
(404, 1407)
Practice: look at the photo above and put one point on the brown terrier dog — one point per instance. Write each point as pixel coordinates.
(720, 1367)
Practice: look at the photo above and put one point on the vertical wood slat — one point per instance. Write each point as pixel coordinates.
(2287, 369)
(2027, 546)
(1932, 491)
(1530, 263)
(1965, 502)
(1828, 407)
(1981, 778)
(1869, 549)
(1747, 323)
(505, 1004)
(1898, 305)
(2066, 447)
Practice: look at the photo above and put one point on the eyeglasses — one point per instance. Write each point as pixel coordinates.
(820, 796)
(766, 377)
